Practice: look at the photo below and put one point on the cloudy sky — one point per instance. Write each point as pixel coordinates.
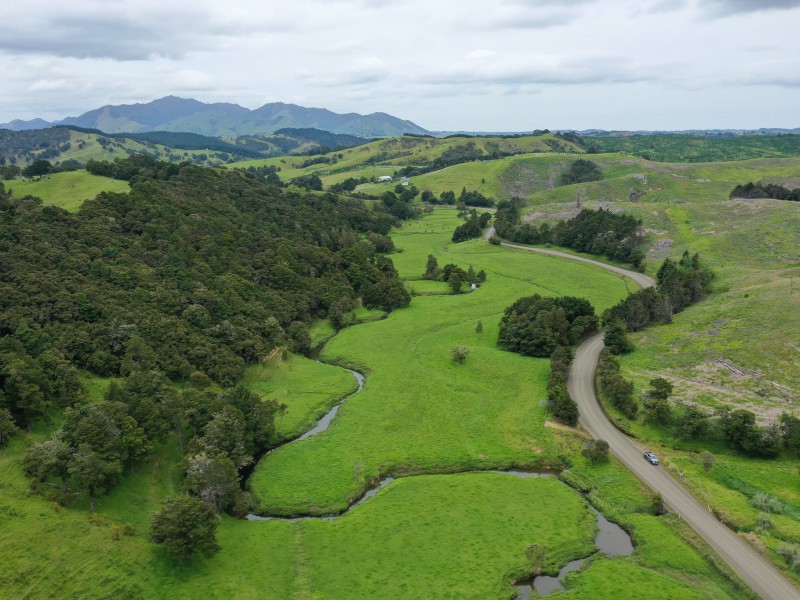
(479, 65)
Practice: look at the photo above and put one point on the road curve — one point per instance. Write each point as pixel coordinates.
(764, 579)
(761, 576)
(641, 279)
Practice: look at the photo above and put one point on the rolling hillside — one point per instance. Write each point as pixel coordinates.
(388, 156)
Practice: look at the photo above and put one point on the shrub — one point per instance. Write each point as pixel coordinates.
(459, 353)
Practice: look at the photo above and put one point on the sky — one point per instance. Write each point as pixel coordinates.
(471, 65)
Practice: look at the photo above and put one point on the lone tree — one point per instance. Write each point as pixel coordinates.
(537, 555)
(595, 450)
(479, 328)
(459, 353)
(707, 460)
(7, 426)
(186, 526)
(656, 404)
(432, 270)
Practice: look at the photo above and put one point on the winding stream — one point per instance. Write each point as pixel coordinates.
(611, 539)
(325, 421)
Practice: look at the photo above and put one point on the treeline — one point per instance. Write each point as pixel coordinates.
(679, 285)
(468, 198)
(38, 168)
(206, 270)
(615, 235)
(765, 190)
(614, 386)
(559, 401)
(134, 166)
(325, 139)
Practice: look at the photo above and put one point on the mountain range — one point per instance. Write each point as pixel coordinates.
(224, 119)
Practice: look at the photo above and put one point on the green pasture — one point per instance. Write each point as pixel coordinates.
(66, 190)
(437, 536)
(419, 411)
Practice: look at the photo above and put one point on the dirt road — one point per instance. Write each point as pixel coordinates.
(761, 576)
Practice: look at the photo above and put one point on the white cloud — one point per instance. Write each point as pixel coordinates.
(480, 65)
(723, 8)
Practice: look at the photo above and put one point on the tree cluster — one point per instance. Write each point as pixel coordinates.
(308, 182)
(537, 325)
(399, 202)
(765, 190)
(222, 431)
(451, 273)
(616, 236)
(581, 171)
(737, 428)
(348, 185)
(473, 227)
(680, 285)
(91, 451)
(133, 167)
(268, 172)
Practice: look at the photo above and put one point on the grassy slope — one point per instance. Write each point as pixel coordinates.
(754, 248)
(66, 190)
(419, 410)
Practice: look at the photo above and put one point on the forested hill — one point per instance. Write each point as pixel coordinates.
(193, 270)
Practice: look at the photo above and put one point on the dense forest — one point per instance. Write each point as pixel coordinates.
(189, 277)
(198, 270)
(616, 236)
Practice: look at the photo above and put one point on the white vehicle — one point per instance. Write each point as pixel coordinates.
(651, 458)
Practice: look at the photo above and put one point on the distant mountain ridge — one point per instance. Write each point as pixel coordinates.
(224, 119)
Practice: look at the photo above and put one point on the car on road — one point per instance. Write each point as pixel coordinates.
(651, 458)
